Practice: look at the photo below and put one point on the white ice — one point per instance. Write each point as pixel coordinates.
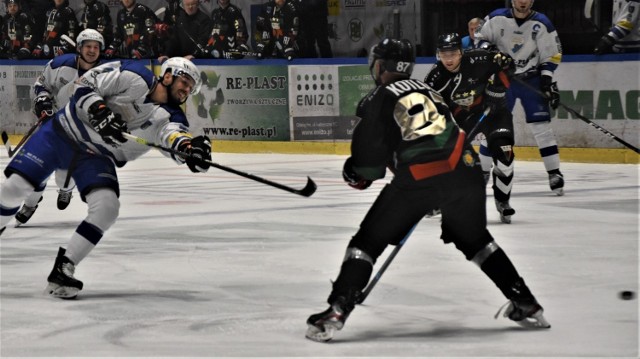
(214, 265)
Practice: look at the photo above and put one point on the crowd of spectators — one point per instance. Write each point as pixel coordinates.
(43, 29)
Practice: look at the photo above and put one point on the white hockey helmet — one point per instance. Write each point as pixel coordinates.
(179, 66)
(89, 35)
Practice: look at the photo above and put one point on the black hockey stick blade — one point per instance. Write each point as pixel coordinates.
(7, 144)
(307, 191)
(584, 119)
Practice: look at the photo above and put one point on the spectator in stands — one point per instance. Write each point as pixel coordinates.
(468, 41)
(38, 10)
(277, 29)
(96, 16)
(314, 28)
(17, 32)
(229, 34)
(190, 34)
(624, 35)
(61, 20)
(135, 33)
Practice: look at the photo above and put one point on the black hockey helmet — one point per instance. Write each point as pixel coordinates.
(396, 55)
(450, 41)
(7, 2)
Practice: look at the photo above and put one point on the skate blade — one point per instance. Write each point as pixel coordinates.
(559, 191)
(58, 291)
(505, 219)
(536, 321)
(318, 335)
(18, 224)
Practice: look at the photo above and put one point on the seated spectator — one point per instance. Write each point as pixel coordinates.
(190, 34)
(16, 32)
(61, 20)
(277, 29)
(96, 16)
(135, 33)
(468, 41)
(229, 34)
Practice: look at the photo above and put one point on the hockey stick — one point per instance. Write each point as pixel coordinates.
(66, 38)
(475, 128)
(243, 53)
(387, 262)
(7, 144)
(578, 115)
(307, 191)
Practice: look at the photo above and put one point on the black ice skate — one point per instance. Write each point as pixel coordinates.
(556, 182)
(25, 213)
(524, 309)
(62, 284)
(64, 198)
(323, 325)
(505, 210)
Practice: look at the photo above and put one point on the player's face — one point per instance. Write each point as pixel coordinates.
(190, 6)
(450, 59)
(90, 51)
(522, 7)
(128, 3)
(181, 88)
(59, 3)
(280, 3)
(12, 8)
(223, 3)
(472, 30)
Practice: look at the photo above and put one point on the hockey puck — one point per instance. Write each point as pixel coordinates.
(627, 295)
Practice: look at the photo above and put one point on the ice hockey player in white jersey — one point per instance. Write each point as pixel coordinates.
(624, 35)
(108, 100)
(531, 40)
(53, 88)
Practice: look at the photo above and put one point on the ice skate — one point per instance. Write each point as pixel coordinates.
(505, 210)
(62, 284)
(556, 182)
(64, 198)
(524, 309)
(25, 213)
(322, 326)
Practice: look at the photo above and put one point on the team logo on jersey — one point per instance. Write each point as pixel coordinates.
(535, 30)
(468, 159)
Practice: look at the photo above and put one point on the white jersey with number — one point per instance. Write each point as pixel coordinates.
(626, 29)
(123, 86)
(533, 43)
(56, 80)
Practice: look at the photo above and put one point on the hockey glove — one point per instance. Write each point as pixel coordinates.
(199, 151)
(43, 106)
(505, 63)
(37, 52)
(289, 53)
(260, 51)
(23, 53)
(604, 45)
(550, 90)
(495, 97)
(109, 53)
(353, 179)
(107, 124)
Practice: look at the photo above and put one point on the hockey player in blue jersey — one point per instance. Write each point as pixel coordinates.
(108, 100)
(53, 88)
(531, 40)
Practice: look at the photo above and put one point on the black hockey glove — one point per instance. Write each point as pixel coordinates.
(604, 45)
(23, 53)
(43, 106)
(107, 124)
(550, 90)
(505, 63)
(353, 179)
(495, 97)
(199, 151)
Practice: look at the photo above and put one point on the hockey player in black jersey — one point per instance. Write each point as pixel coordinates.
(229, 34)
(135, 35)
(406, 125)
(471, 82)
(277, 29)
(96, 16)
(17, 32)
(61, 20)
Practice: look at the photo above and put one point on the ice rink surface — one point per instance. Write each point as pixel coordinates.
(215, 265)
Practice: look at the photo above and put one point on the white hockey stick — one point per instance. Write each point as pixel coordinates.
(160, 11)
(588, 6)
(66, 38)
